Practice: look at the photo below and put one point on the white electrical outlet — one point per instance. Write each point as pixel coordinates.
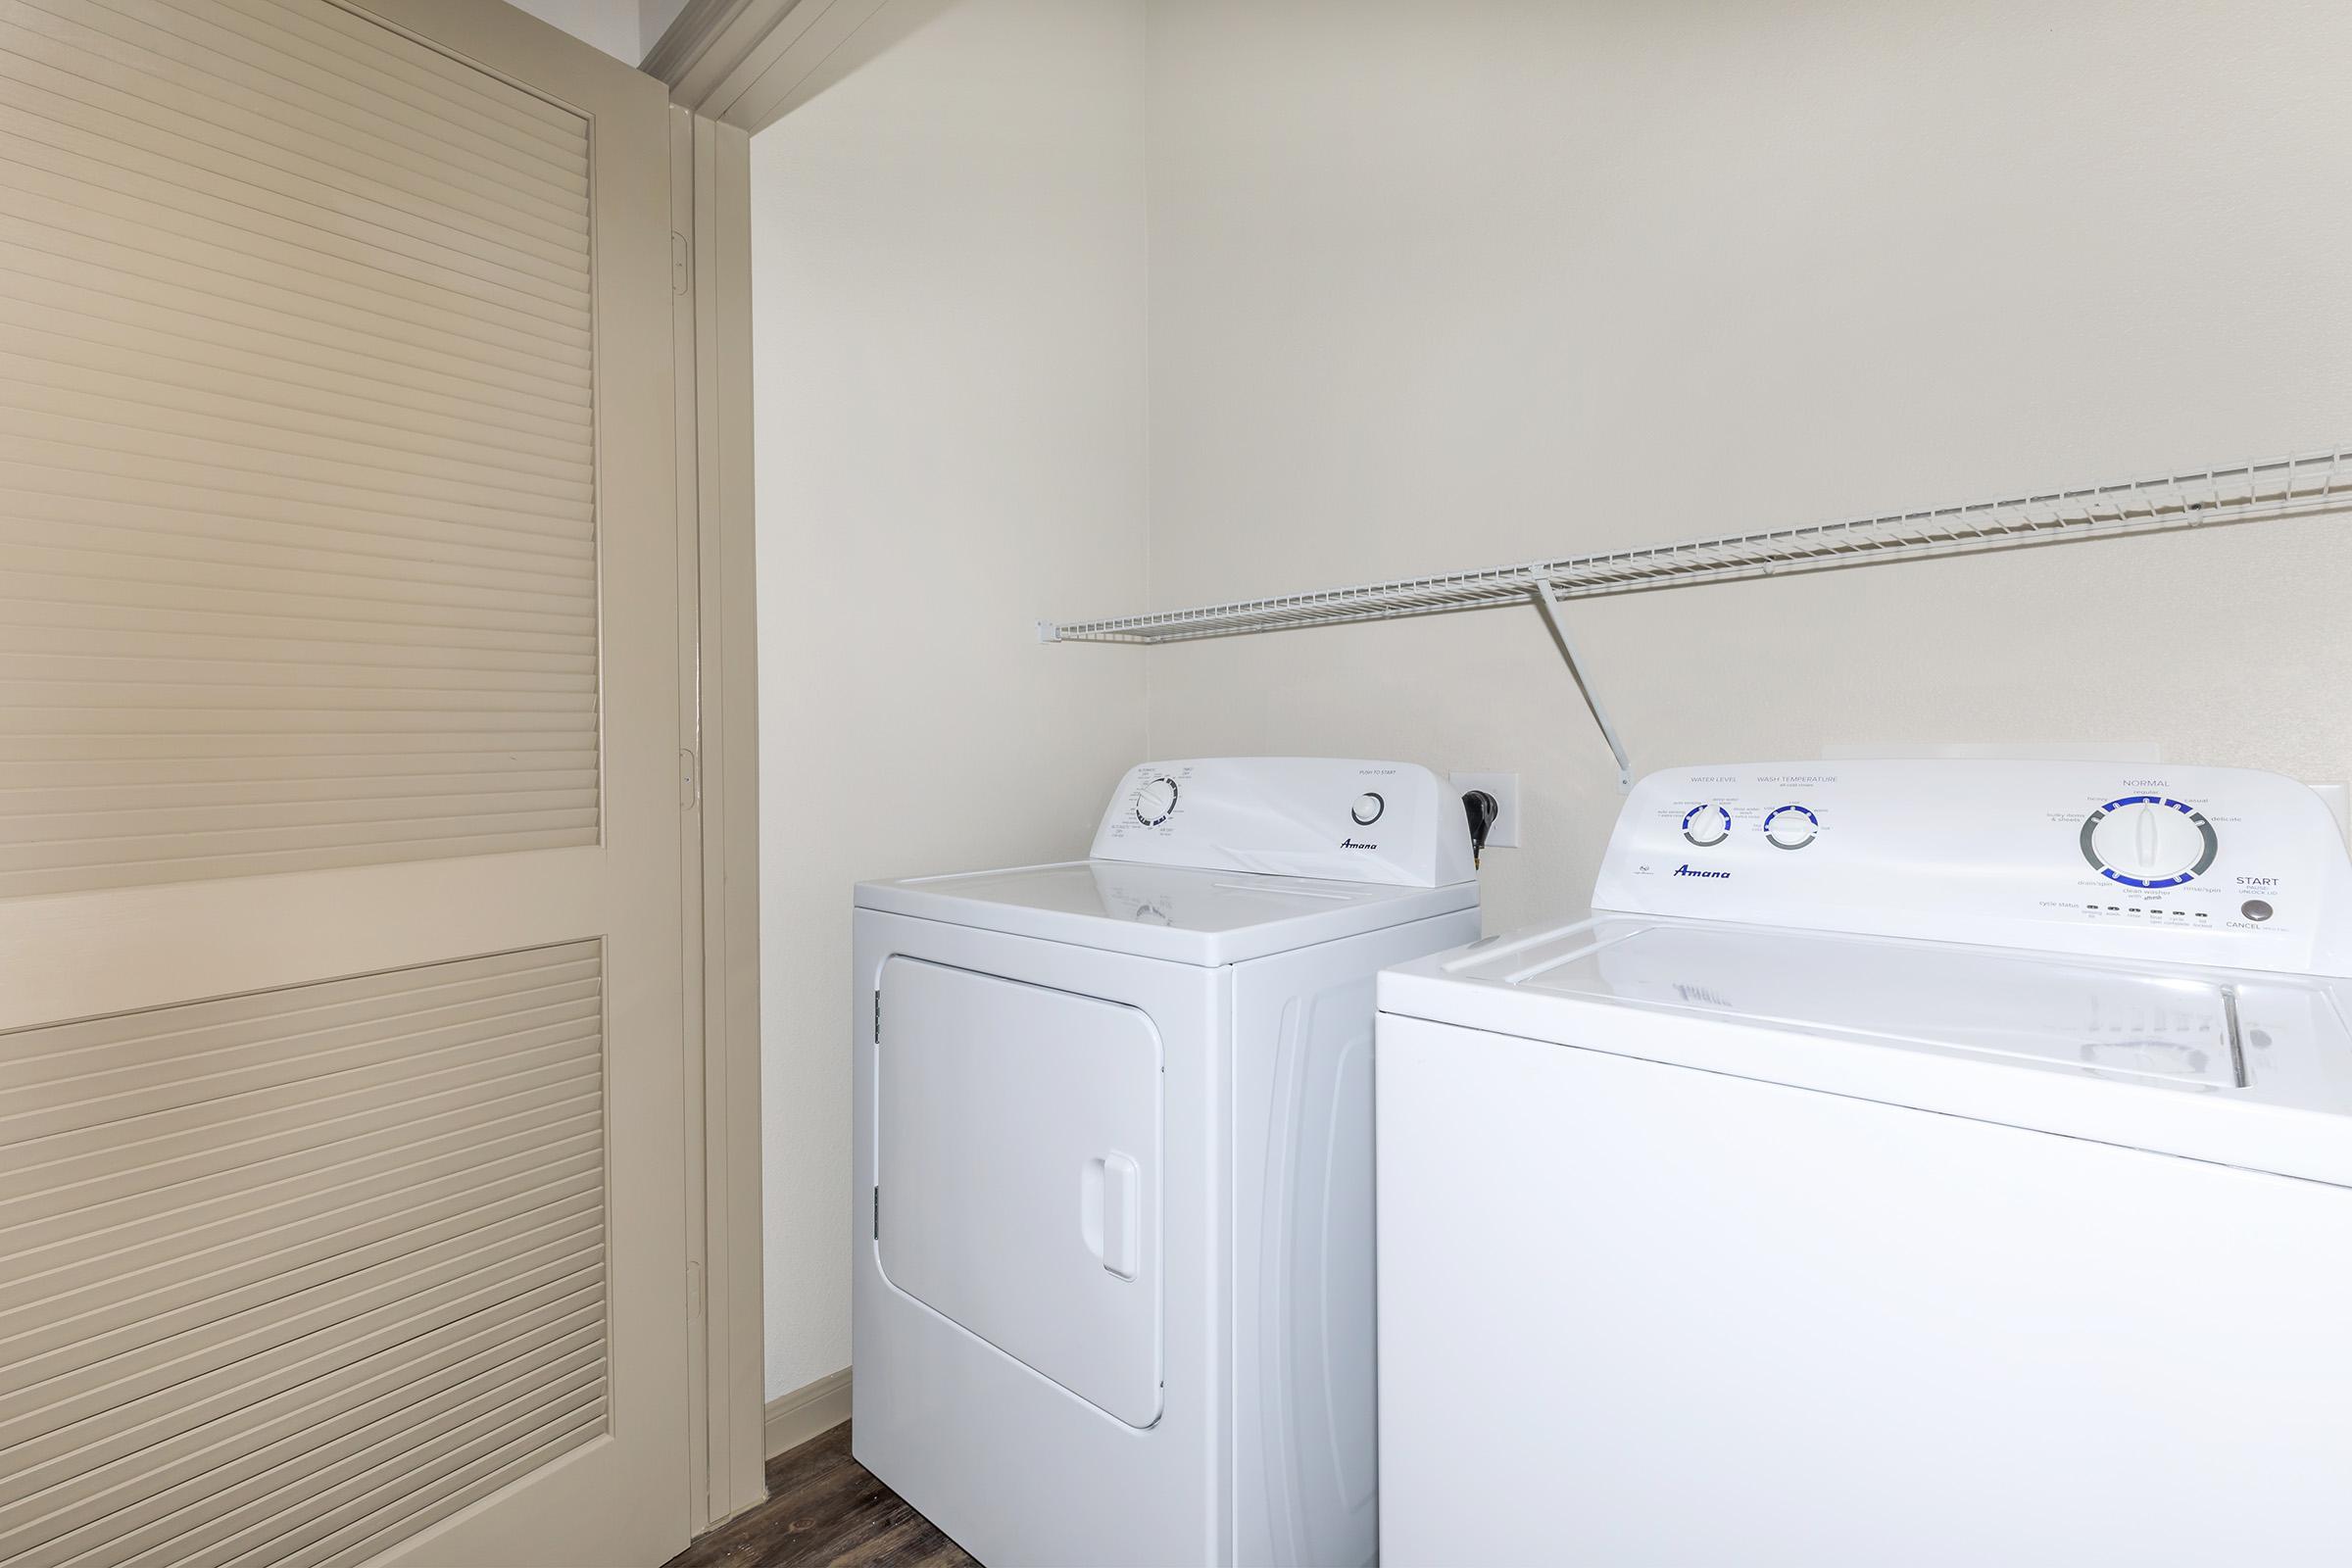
(1504, 787)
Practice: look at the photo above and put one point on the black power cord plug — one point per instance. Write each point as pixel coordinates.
(1481, 808)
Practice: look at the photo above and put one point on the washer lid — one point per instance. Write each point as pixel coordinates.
(1178, 913)
(2249, 1068)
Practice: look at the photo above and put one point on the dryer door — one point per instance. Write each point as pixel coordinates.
(1018, 1158)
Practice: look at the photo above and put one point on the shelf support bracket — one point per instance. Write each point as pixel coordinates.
(1541, 586)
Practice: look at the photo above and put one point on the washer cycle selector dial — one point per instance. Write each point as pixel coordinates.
(1156, 801)
(1706, 825)
(2146, 841)
(1367, 809)
(1790, 827)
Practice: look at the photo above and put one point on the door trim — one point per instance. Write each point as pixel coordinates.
(747, 63)
(719, 797)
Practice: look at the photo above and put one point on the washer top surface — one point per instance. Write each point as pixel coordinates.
(2240, 1066)
(2151, 958)
(1183, 915)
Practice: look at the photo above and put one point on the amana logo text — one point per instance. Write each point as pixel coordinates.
(1684, 869)
(1350, 844)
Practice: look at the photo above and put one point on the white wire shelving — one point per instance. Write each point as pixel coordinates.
(2251, 492)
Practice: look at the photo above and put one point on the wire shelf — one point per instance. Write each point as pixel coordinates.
(2253, 492)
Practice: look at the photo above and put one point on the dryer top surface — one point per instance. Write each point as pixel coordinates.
(1179, 914)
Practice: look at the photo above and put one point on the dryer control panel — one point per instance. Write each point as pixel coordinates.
(2214, 865)
(1312, 816)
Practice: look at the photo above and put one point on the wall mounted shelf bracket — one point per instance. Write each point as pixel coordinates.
(1540, 588)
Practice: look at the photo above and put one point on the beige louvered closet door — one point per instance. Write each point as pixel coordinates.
(341, 1153)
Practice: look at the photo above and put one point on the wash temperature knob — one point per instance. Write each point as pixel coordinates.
(1792, 828)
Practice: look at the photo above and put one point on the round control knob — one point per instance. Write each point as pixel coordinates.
(2146, 841)
(1706, 825)
(1367, 809)
(1156, 801)
(1790, 827)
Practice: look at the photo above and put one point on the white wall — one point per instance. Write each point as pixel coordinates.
(947, 252)
(1434, 286)
(612, 25)
(1439, 286)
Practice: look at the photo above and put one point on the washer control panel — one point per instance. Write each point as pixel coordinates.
(2216, 866)
(1312, 816)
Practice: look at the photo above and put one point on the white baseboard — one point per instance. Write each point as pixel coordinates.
(807, 1412)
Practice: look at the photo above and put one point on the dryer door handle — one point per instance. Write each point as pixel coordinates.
(1122, 1216)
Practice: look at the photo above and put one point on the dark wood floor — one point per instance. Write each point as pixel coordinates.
(826, 1507)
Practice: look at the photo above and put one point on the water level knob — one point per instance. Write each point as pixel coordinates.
(1706, 825)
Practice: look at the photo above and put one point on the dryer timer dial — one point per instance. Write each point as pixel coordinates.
(1156, 801)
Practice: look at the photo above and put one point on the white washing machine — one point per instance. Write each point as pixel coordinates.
(1906, 1162)
(1112, 1214)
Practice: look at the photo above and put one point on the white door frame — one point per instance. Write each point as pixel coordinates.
(733, 67)
(720, 787)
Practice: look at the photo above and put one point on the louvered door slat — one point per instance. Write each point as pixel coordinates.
(213, 130)
(185, 343)
(168, 1492)
(282, 60)
(431, 1446)
(274, 61)
(72, 273)
(109, 203)
(447, 1475)
(257, 81)
(295, 373)
(388, 1332)
(373, 56)
(353, 1208)
(40, 405)
(87, 164)
(245, 1151)
(126, 376)
(136, 1274)
(272, 1265)
(130, 1200)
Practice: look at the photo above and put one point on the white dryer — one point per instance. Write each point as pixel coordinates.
(1936, 1163)
(1112, 1214)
